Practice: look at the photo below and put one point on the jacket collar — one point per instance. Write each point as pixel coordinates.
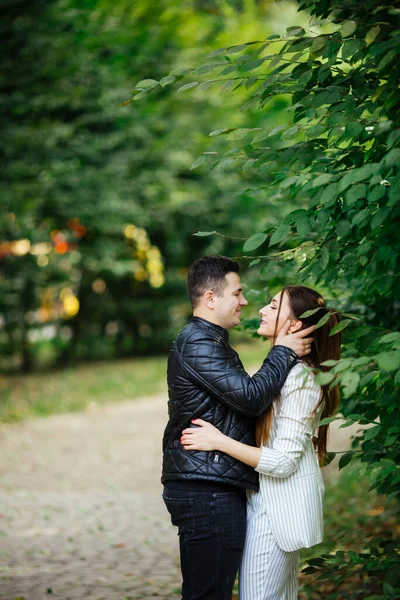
(215, 328)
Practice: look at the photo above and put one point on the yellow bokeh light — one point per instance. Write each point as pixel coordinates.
(129, 231)
(143, 245)
(21, 247)
(65, 293)
(154, 267)
(153, 252)
(140, 274)
(71, 306)
(141, 255)
(140, 235)
(42, 260)
(39, 249)
(157, 281)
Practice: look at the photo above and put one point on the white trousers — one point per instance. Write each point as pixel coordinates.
(266, 572)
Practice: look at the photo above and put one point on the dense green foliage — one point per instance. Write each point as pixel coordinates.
(79, 172)
(338, 160)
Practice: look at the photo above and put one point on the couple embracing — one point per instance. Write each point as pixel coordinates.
(241, 454)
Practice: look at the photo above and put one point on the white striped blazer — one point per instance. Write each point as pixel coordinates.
(290, 477)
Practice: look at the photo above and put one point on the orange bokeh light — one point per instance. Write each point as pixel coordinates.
(61, 247)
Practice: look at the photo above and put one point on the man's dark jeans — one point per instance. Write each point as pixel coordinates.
(212, 530)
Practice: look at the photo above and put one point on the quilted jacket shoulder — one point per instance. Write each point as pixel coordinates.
(206, 380)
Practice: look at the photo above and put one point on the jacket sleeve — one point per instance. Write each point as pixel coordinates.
(295, 426)
(211, 365)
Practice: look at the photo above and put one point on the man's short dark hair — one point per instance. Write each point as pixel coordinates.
(208, 273)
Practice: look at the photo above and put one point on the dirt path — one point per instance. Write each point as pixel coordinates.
(81, 514)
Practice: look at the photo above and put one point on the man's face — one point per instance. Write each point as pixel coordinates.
(228, 307)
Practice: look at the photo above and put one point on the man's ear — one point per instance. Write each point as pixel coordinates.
(295, 325)
(209, 299)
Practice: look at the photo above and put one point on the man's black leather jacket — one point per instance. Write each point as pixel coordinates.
(206, 380)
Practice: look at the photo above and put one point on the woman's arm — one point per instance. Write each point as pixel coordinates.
(294, 427)
(207, 437)
(293, 432)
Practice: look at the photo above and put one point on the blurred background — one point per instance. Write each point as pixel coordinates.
(99, 204)
(99, 207)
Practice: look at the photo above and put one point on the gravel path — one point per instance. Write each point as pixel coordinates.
(81, 514)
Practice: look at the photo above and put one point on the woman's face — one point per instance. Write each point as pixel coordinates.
(269, 315)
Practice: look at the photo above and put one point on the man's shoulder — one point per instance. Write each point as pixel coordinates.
(196, 331)
(198, 340)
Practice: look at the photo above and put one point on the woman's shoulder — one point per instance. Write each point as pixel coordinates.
(301, 373)
(301, 379)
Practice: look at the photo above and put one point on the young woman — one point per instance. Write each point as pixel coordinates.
(286, 513)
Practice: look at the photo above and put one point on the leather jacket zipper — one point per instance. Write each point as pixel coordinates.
(216, 457)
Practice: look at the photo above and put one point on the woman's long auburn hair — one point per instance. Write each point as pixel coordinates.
(325, 347)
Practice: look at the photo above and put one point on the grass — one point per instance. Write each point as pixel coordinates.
(80, 387)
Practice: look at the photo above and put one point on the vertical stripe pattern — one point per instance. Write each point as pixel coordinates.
(267, 572)
(286, 514)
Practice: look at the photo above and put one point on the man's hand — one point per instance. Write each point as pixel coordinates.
(298, 342)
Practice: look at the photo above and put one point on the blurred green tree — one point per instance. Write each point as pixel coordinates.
(78, 171)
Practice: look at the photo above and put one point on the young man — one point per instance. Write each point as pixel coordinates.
(205, 492)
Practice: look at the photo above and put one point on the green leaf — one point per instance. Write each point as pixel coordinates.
(238, 134)
(254, 242)
(167, 80)
(343, 228)
(349, 381)
(361, 216)
(225, 163)
(324, 257)
(220, 132)
(303, 225)
(204, 233)
(380, 216)
(198, 162)
(371, 433)
(248, 164)
(260, 136)
(355, 192)
(228, 85)
(377, 192)
(295, 30)
(345, 459)
(372, 34)
(180, 72)
(384, 285)
(387, 59)
(329, 458)
(322, 180)
(329, 363)
(389, 361)
(393, 336)
(309, 313)
(252, 64)
(340, 326)
(276, 130)
(146, 84)
(348, 28)
(350, 48)
(323, 320)
(324, 379)
(254, 262)
(317, 44)
(188, 86)
(353, 130)
(280, 234)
